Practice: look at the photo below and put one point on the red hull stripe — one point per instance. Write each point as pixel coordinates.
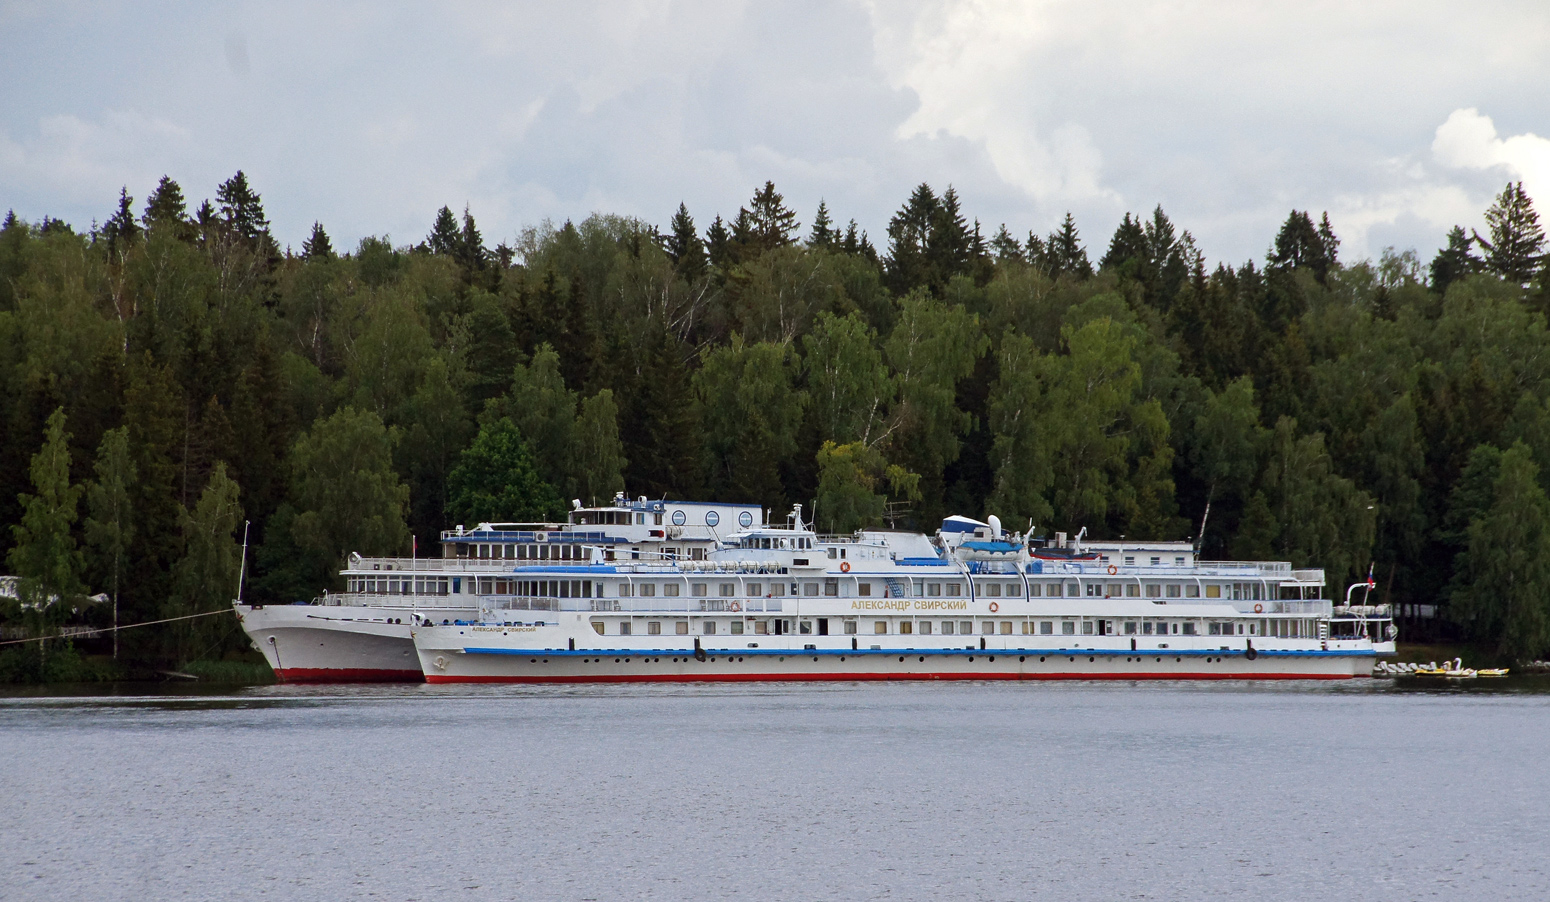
(347, 675)
(880, 677)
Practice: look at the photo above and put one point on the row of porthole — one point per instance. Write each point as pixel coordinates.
(1021, 659)
(712, 518)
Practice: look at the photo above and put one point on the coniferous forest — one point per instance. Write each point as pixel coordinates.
(173, 379)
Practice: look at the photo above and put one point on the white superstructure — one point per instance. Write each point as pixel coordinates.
(363, 633)
(783, 603)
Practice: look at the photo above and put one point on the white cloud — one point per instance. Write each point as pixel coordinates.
(1468, 140)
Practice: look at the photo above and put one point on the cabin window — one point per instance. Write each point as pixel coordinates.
(696, 554)
(988, 627)
(597, 627)
(850, 627)
(906, 628)
(624, 590)
(1027, 627)
(1068, 628)
(1178, 562)
(728, 590)
(1189, 628)
(1130, 627)
(761, 627)
(965, 627)
(864, 590)
(1006, 627)
(1156, 561)
(709, 627)
(698, 589)
(1073, 590)
(1154, 590)
(1173, 591)
(755, 590)
(880, 627)
(624, 627)
(736, 627)
(1213, 591)
(805, 627)
(833, 553)
(831, 587)
(1046, 628)
(947, 627)
(925, 627)
(934, 589)
(1130, 561)
(1191, 591)
(671, 590)
(647, 590)
(810, 590)
(653, 627)
(681, 627)
(954, 590)
(777, 589)
(1013, 590)
(1094, 590)
(1146, 628)
(1112, 590)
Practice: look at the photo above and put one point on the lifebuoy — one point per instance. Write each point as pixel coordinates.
(1259, 609)
(994, 607)
(735, 606)
(844, 566)
(1113, 569)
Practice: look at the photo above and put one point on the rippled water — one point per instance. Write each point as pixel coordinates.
(904, 791)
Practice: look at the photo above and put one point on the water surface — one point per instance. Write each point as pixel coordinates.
(866, 791)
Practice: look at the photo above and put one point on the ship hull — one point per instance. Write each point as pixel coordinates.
(450, 655)
(312, 644)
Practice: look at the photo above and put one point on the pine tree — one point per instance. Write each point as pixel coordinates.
(469, 250)
(684, 246)
(166, 209)
(1455, 261)
(770, 223)
(1127, 246)
(444, 238)
(318, 247)
(1516, 248)
(718, 245)
(241, 208)
(45, 555)
(110, 527)
(824, 234)
(1066, 254)
(121, 230)
(1301, 244)
(1004, 247)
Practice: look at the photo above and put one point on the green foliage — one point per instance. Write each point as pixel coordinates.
(205, 577)
(45, 554)
(346, 495)
(849, 479)
(334, 384)
(110, 527)
(1501, 586)
(495, 480)
(751, 409)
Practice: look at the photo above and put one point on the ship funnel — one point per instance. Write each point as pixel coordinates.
(995, 526)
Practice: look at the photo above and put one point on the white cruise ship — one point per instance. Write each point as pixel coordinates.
(783, 603)
(362, 634)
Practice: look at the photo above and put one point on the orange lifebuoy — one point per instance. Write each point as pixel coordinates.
(1259, 609)
(844, 566)
(735, 606)
(1113, 569)
(994, 607)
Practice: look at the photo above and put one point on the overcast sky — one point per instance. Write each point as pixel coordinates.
(1399, 117)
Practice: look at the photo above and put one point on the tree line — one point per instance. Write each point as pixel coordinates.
(173, 380)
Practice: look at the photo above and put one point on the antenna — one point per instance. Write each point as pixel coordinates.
(242, 571)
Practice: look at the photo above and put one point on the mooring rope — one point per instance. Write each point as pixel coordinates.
(109, 629)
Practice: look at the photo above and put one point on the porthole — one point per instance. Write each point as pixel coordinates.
(745, 519)
(678, 518)
(712, 518)
(1041, 660)
(922, 659)
(1090, 660)
(1021, 658)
